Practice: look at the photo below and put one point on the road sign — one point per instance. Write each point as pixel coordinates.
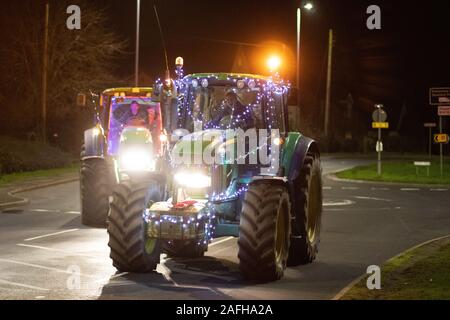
(430, 125)
(441, 138)
(379, 146)
(439, 96)
(380, 125)
(379, 115)
(422, 163)
(444, 111)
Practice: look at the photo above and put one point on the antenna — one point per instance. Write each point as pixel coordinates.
(162, 39)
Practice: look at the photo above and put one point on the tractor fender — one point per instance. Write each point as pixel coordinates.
(279, 180)
(94, 143)
(303, 147)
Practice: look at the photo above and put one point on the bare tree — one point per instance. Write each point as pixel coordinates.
(77, 59)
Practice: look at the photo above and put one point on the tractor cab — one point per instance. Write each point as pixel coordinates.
(231, 101)
(130, 107)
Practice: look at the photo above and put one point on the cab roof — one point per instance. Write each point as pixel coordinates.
(227, 76)
(128, 91)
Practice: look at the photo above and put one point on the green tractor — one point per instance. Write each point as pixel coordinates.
(234, 169)
(126, 139)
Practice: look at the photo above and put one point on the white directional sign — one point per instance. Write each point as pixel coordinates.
(439, 96)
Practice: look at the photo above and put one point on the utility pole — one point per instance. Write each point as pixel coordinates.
(299, 23)
(441, 164)
(44, 76)
(329, 74)
(136, 68)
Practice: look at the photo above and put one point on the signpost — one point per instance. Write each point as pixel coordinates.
(441, 97)
(379, 117)
(429, 125)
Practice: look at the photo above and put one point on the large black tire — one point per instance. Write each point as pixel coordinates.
(95, 189)
(184, 249)
(264, 232)
(131, 249)
(307, 210)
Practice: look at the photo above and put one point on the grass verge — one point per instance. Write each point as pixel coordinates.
(38, 174)
(399, 171)
(418, 274)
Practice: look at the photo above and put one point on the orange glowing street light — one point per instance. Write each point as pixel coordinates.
(274, 63)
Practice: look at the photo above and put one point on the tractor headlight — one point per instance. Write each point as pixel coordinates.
(194, 180)
(136, 160)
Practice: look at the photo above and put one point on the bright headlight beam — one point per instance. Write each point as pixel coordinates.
(195, 180)
(136, 160)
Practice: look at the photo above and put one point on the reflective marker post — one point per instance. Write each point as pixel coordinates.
(379, 117)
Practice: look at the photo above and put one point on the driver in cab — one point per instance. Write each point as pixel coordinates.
(134, 116)
(234, 113)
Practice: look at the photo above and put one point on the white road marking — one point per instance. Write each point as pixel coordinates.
(409, 189)
(372, 198)
(382, 189)
(73, 212)
(327, 188)
(44, 210)
(56, 250)
(350, 188)
(337, 203)
(438, 189)
(55, 211)
(51, 234)
(166, 272)
(23, 285)
(220, 241)
(37, 266)
(111, 277)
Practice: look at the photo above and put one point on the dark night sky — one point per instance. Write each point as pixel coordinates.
(395, 65)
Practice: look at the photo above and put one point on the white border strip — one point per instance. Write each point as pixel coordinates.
(51, 234)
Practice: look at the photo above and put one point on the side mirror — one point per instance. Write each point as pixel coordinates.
(81, 100)
(293, 97)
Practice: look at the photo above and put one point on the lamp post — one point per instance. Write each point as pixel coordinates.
(307, 6)
(44, 75)
(328, 94)
(136, 68)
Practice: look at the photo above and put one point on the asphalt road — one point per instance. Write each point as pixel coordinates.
(45, 253)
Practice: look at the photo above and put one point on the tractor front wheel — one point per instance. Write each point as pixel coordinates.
(307, 212)
(264, 232)
(95, 190)
(131, 249)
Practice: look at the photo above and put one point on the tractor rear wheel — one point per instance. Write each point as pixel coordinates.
(307, 212)
(264, 232)
(184, 249)
(95, 189)
(131, 249)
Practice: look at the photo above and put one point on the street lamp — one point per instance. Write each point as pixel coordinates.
(274, 63)
(136, 68)
(307, 6)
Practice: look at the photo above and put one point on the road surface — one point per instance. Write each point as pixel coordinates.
(45, 253)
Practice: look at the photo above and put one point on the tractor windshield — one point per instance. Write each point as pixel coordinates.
(222, 107)
(132, 111)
